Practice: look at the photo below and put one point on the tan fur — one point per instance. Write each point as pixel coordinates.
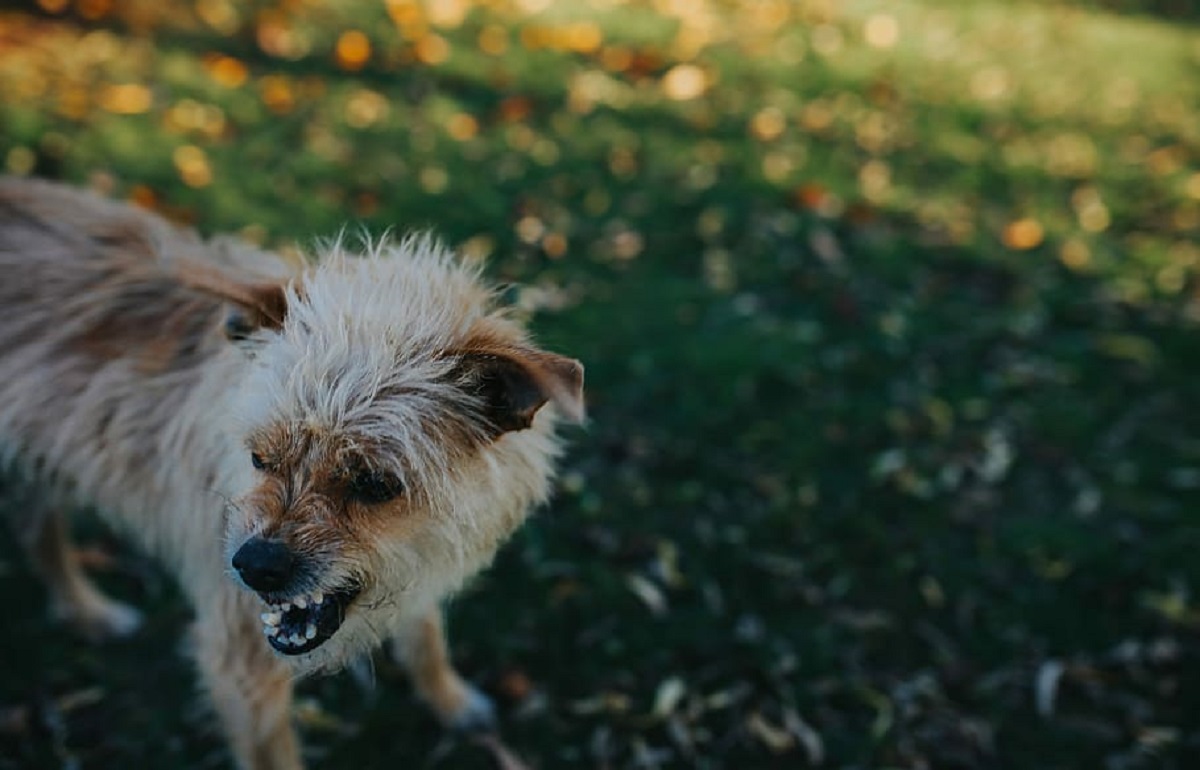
(374, 418)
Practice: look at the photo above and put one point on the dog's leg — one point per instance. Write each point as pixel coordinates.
(422, 650)
(250, 689)
(74, 598)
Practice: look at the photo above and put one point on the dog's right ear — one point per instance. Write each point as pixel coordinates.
(512, 383)
(253, 305)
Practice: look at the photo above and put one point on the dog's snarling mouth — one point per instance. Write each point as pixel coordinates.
(304, 623)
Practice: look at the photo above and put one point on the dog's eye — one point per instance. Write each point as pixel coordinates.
(257, 461)
(372, 487)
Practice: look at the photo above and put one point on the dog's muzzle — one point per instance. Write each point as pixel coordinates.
(304, 623)
(294, 623)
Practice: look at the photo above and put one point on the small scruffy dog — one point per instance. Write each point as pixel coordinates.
(320, 454)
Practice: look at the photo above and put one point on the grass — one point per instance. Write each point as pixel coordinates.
(889, 312)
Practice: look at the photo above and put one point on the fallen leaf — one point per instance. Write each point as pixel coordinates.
(80, 699)
(810, 739)
(1045, 689)
(605, 702)
(1023, 234)
(667, 698)
(649, 593)
(777, 739)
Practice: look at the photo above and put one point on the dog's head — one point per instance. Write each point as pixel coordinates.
(392, 429)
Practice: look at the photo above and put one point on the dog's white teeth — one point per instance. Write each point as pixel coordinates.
(297, 639)
(271, 618)
(318, 597)
(271, 630)
(310, 632)
(285, 606)
(301, 602)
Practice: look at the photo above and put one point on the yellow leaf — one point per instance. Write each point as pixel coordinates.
(768, 123)
(226, 70)
(432, 49)
(192, 165)
(462, 126)
(1023, 234)
(277, 94)
(353, 50)
(128, 99)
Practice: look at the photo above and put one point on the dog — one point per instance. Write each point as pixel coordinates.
(321, 452)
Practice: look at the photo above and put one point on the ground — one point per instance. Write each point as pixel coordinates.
(889, 312)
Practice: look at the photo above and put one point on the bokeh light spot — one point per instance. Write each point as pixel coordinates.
(126, 99)
(221, 15)
(365, 108)
(20, 160)
(447, 13)
(874, 180)
(1089, 207)
(1075, 254)
(768, 124)
(777, 166)
(628, 244)
(432, 49)
(462, 126)
(353, 50)
(192, 165)
(493, 39)
(583, 37)
(881, 31)
(1191, 187)
(277, 36)
(530, 229)
(478, 247)
(277, 94)
(684, 81)
(827, 39)
(405, 13)
(1023, 234)
(434, 179)
(226, 70)
(555, 245)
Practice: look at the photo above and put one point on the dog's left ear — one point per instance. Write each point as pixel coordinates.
(512, 384)
(254, 305)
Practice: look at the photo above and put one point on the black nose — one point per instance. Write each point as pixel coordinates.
(265, 565)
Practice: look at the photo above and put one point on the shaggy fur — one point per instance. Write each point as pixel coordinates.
(351, 440)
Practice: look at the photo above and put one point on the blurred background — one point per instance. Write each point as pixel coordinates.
(890, 317)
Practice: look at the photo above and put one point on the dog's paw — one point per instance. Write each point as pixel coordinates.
(99, 618)
(475, 715)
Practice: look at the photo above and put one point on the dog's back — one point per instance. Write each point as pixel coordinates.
(103, 338)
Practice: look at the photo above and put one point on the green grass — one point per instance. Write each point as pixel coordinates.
(892, 388)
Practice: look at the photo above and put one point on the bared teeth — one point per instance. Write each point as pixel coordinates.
(288, 629)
